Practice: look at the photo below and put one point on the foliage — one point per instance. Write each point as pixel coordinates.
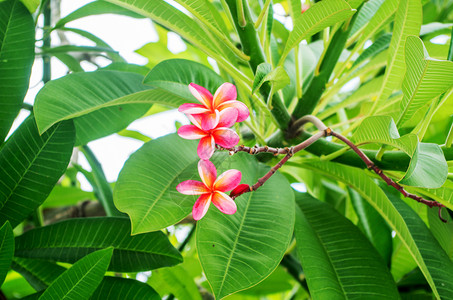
(377, 72)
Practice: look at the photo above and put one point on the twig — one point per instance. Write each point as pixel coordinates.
(324, 131)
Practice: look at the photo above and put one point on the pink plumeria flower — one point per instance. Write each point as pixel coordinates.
(211, 189)
(210, 107)
(221, 135)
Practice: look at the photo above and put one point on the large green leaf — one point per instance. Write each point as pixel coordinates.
(175, 75)
(372, 225)
(39, 273)
(427, 168)
(377, 47)
(96, 8)
(277, 77)
(319, 16)
(423, 247)
(442, 231)
(81, 95)
(240, 250)
(339, 263)
(408, 21)
(173, 19)
(146, 186)
(115, 288)
(365, 14)
(175, 280)
(6, 249)
(65, 195)
(30, 165)
(82, 279)
(69, 240)
(17, 45)
(425, 79)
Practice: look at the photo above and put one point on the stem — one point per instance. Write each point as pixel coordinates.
(241, 15)
(27, 106)
(46, 68)
(262, 14)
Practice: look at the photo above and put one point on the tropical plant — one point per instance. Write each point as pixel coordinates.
(329, 121)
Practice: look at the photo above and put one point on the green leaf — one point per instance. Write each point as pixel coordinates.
(365, 14)
(277, 77)
(82, 279)
(430, 257)
(377, 47)
(175, 75)
(6, 249)
(319, 16)
(146, 186)
(435, 27)
(442, 231)
(443, 194)
(173, 19)
(240, 250)
(408, 21)
(278, 282)
(402, 260)
(425, 79)
(96, 8)
(339, 263)
(31, 5)
(427, 168)
(80, 96)
(17, 46)
(30, 165)
(122, 288)
(175, 280)
(373, 226)
(66, 195)
(69, 240)
(39, 273)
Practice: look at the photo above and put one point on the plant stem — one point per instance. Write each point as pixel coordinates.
(262, 14)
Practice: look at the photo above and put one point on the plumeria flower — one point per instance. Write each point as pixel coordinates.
(211, 189)
(221, 134)
(210, 107)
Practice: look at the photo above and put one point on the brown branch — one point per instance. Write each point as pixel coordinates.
(324, 131)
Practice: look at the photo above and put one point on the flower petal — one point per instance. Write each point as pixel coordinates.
(202, 94)
(225, 92)
(243, 111)
(210, 120)
(201, 206)
(227, 117)
(206, 147)
(195, 119)
(192, 187)
(227, 181)
(224, 203)
(191, 132)
(208, 172)
(225, 137)
(193, 108)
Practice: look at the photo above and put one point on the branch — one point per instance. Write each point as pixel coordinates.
(324, 131)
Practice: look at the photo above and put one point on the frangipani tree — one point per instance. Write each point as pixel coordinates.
(330, 123)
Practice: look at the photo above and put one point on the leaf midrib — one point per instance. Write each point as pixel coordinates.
(8, 27)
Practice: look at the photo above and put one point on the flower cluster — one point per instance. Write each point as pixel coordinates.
(211, 121)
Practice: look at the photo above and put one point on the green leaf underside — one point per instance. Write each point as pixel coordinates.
(240, 250)
(6, 249)
(339, 262)
(115, 288)
(377, 47)
(82, 95)
(96, 8)
(425, 79)
(69, 240)
(278, 77)
(430, 257)
(319, 16)
(175, 75)
(17, 46)
(146, 186)
(408, 21)
(427, 168)
(82, 279)
(30, 165)
(365, 14)
(175, 280)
